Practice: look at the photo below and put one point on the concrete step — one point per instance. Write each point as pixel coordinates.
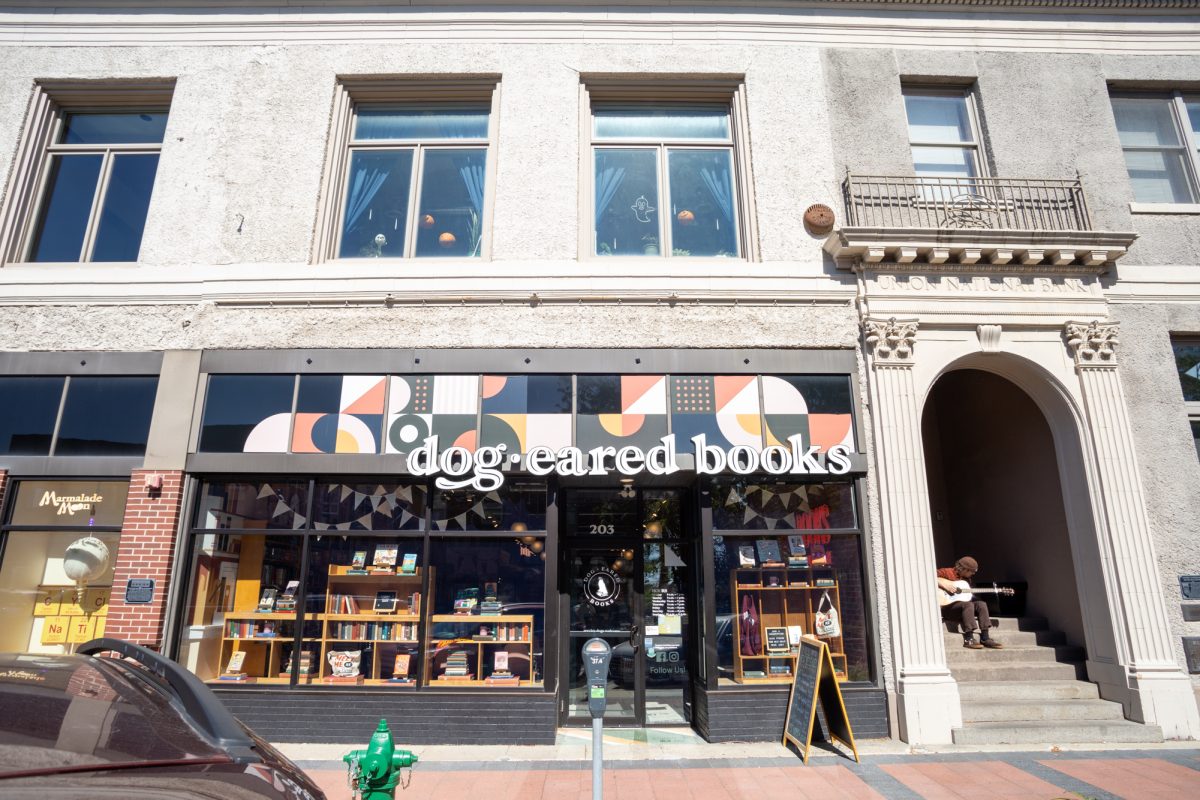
(1038, 711)
(1009, 624)
(1014, 638)
(958, 654)
(1017, 671)
(1069, 732)
(1026, 691)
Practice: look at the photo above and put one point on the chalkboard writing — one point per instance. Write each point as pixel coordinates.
(815, 680)
(777, 640)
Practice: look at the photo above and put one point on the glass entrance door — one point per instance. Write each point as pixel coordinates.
(627, 573)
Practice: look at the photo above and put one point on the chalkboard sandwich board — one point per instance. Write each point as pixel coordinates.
(815, 681)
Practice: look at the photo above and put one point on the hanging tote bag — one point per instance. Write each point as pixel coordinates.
(827, 623)
(751, 641)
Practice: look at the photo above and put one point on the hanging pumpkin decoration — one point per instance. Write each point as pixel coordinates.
(446, 239)
(685, 217)
(427, 221)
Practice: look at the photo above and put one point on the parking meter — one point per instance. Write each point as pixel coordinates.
(597, 654)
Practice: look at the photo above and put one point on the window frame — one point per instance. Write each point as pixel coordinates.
(1177, 101)
(666, 91)
(50, 104)
(975, 146)
(353, 94)
(1191, 407)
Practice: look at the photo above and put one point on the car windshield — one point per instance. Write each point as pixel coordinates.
(68, 712)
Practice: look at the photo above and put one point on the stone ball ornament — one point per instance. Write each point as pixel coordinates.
(819, 218)
(85, 559)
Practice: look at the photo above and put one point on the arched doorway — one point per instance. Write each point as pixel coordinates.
(995, 491)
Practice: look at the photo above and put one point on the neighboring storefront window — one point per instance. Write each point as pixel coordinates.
(60, 546)
(805, 582)
(359, 617)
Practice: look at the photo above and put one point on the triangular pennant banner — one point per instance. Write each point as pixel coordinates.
(734, 499)
(346, 491)
(365, 521)
(749, 515)
(404, 517)
(461, 519)
(265, 491)
(281, 508)
(405, 494)
(299, 523)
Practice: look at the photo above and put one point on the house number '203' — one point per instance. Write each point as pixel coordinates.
(603, 530)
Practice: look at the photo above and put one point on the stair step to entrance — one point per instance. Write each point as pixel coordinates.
(1027, 691)
(1042, 710)
(1068, 732)
(1017, 671)
(958, 654)
(1009, 624)
(1015, 638)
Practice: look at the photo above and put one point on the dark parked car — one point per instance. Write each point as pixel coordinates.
(91, 725)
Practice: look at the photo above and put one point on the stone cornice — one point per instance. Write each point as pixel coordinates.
(1075, 252)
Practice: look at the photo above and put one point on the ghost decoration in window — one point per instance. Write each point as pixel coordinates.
(642, 209)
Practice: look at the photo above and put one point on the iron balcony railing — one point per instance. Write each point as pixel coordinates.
(1028, 204)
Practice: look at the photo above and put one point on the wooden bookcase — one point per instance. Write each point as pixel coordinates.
(363, 588)
(264, 654)
(459, 633)
(782, 596)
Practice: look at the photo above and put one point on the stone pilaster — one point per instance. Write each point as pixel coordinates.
(927, 695)
(1160, 693)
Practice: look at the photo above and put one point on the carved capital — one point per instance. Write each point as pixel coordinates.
(892, 340)
(1092, 343)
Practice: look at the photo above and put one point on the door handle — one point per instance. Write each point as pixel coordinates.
(634, 638)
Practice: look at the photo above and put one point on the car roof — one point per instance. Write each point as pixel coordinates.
(68, 712)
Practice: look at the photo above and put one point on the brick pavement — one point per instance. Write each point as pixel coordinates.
(1103, 775)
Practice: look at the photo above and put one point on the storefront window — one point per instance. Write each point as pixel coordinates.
(516, 506)
(241, 505)
(241, 613)
(55, 579)
(770, 586)
(488, 613)
(369, 507)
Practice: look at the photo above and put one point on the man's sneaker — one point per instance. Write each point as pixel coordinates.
(991, 644)
(971, 644)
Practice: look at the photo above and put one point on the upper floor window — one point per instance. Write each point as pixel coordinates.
(943, 132)
(1159, 136)
(84, 175)
(75, 415)
(665, 180)
(411, 170)
(1187, 363)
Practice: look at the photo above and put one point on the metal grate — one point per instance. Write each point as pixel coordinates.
(966, 203)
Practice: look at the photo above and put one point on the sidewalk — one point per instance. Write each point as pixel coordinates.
(675, 764)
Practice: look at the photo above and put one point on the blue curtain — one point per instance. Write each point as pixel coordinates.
(363, 189)
(607, 183)
(720, 187)
(472, 178)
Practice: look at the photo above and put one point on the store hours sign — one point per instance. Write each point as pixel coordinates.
(483, 469)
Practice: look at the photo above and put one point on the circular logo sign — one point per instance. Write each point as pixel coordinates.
(602, 586)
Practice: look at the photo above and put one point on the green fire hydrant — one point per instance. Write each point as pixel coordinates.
(374, 772)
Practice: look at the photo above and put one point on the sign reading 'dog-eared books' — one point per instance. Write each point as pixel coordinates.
(815, 681)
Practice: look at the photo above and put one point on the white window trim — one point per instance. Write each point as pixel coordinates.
(975, 146)
(1187, 143)
(27, 181)
(432, 91)
(716, 90)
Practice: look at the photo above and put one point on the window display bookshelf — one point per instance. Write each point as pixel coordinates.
(462, 634)
(263, 636)
(782, 597)
(350, 619)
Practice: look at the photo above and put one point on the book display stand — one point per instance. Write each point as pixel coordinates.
(782, 597)
(350, 618)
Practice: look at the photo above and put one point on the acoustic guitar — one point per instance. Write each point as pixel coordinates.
(967, 592)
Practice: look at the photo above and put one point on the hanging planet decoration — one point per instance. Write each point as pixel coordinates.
(685, 217)
(427, 221)
(86, 559)
(446, 239)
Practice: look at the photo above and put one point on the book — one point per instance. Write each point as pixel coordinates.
(266, 600)
(235, 663)
(753, 673)
(794, 632)
(818, 556)
(403, 661)
(768, 551)
(781, 669)
(385, 556)
(746, 556)
(385, 603)
(500, 661)
(797, 554)
(287, 600)
(490, 591)
(360, 559)
(409, 565)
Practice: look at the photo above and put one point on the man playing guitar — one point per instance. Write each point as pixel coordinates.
(970, 612)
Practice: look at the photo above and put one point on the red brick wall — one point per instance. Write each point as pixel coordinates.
(146, 551)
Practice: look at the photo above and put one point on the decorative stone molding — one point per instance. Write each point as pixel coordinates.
(989, 338)
(891, 339)
(1092, 343)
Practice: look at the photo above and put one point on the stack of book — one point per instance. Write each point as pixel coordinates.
(457, 667)
(233, 671)
(502, 679)
(343, 604)
(306, 666)
(490, 608)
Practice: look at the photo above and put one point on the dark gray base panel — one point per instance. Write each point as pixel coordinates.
(340, 717)
(757, 715)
